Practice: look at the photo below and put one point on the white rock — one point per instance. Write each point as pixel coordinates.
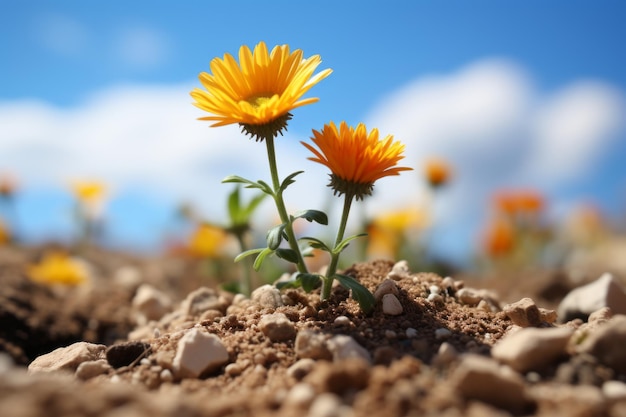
(301, 395)
(267, 296)
(91, 369)
(201, 300)
(606, 343)
(344, 347)
(399, 271)
(313, 345)
(326, 405)
(391, 305)
(67, 358)
(277, 327)
(483, 379)
(468, 296)
(150, 303)
(530, 349)
(614, 390)
(198, 352)
(606, 291)
(388, 286)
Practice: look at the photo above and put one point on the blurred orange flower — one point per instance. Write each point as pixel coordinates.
(57, 267)
(5, 233)
(499, 237)
(437, 172)
(355, 157)
(517, 202)
(8, 185)
(259, 90)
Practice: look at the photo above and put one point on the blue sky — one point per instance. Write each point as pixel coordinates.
(514, 94)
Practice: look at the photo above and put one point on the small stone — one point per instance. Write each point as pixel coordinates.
(399, 271)
(387, 286)
(301, 368)
(530, 349)
(547, 315)
(91, 369)
(606, 291)
(166, 375)
(201, 300)
(434, 289)
(233, 369)
(483, 379)
(390, 334)
(391, 305)
(150, 303)
(524, 313)
(342, 321)
(267, 296)
(124, 354)
(448, 283)
(277, 327)
(606, 343)
(199, 352)
(300, 395)
(446, 354)
(614, 390)
(410, 332)
(442, 333)
(600, 316)
(344, 347)
(434, 298)
(67, 358)
(310, 344)
(468, 296)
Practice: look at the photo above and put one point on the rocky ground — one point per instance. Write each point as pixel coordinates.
(135, 342)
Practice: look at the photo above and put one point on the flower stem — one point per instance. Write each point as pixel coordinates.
(245, 285)
(334, 258)
(280, 205)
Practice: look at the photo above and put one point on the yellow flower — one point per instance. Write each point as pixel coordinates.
(355, 157)
(58, 268)
(207, 241)
(387, 231)
(260, 90)
(88, 191)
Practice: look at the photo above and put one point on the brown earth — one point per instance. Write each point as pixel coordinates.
(408, 374)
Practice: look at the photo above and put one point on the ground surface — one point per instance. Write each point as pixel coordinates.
(405, 363)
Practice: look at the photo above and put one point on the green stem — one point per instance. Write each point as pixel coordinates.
(245, 286)
(334, 258)
(280, 205)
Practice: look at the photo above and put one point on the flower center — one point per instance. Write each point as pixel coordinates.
(259, 100)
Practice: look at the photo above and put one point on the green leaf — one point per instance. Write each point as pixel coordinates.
(234, 206)
(247, 253)
(275, 236)
(287, 254)
(316, 243)
(309, 281)
(312, 216)
(342, 245)
(361, 294)
(289, 180)
(253, 204)
(260, 258)
(261, 185)
(237, 179)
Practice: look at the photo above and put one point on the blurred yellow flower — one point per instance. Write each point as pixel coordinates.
(437, 172)
(88, 191)
(355, 157)
(57, 267)
(386, 233)
(260, 90)
(207, 241)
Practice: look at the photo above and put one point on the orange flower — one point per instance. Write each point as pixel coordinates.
(437, 172)
(516, 202)
(355, 157)
(260, 90)
(499, 237)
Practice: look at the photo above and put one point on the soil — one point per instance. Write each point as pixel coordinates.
(413, 355)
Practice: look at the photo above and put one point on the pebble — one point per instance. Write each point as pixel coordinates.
(326, 405)
(166, 375)
(524, 313)
(150, 304)
(342, 321)
(606, 343)
(606, 291)
(410, 332)
(301, 368)
(483, 379)
(387, 286)
(434, 298)
(277, 327)
(343, 347)
(267, 296)
(310, 344)
(201, 300)
(434, 289)
(198, 352)
(468, 296)
(442, 333)
(300, 395)
(446, 354)
(233, 369)
(67, 358)
(531, 349)
(448, 284)
(391, 305)
(399, 271)
(91, 369)
(614, 390)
